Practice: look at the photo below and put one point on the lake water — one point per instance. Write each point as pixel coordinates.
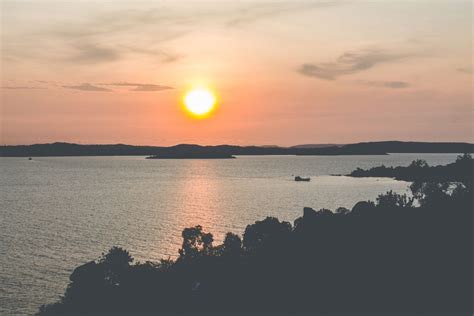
(57, 213)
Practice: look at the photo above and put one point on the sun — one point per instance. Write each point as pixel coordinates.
(200, 102)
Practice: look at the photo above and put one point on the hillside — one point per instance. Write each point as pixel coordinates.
(371, 148)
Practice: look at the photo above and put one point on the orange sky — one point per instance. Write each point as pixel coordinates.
(285, 73)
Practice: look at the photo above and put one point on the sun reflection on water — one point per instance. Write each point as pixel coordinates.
(197, 188)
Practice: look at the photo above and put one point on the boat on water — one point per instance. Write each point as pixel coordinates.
(298, 178)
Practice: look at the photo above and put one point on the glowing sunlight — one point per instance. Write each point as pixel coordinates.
(199, 102)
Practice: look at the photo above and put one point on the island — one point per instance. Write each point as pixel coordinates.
(206, 155)
(191, 152)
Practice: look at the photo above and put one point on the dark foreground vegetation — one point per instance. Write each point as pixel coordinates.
(398, 256)
(370, 148)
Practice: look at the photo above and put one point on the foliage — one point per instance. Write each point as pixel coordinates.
(232, 245)
(195, 242)
(419, 171)
(392, 199)
(117, 257)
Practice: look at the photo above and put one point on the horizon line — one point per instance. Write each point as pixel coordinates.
(249, 145)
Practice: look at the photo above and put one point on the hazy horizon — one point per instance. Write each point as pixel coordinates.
(230, 144)
(283, 73)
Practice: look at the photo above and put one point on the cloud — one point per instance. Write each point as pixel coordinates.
(386, 84)
(92, 53)
(150, 87)
(268, 10)
(87, 87)
(112, 33)
(466, 70)
(22, 88)
(165, 56)
(349, 63)
(139, 86)
(96, 87)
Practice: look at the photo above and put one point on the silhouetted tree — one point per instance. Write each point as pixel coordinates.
(342, 210)
(465, 158)
(116, 257)
(195, 242)
(270, 230)
(392, 199)
(418, 163)
(363, 207)
(430, 193)
(232, 245)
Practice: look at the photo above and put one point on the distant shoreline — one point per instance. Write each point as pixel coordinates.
(228, 151)
(420, 171)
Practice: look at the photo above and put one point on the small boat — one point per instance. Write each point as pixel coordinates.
(298, 178)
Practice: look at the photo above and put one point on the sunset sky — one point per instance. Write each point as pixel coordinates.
(283, 73)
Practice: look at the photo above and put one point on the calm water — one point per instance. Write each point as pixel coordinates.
(56, 213)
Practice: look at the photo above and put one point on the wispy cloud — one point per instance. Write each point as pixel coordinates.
(118, 34)
(22, 87)
(150, 87)
(93, 53)
(466, 70)
(92, 87)
(267, 10)
(349, 63)
(386, 84)
(164, 55)
(88, 87)
(146, 87)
